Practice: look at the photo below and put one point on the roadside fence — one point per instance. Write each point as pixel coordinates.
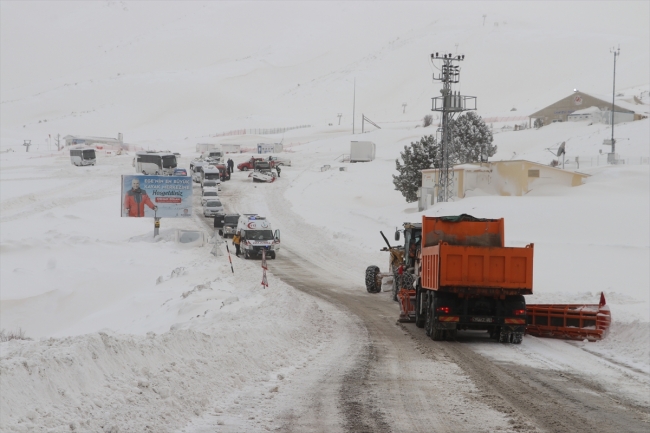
(260, 131)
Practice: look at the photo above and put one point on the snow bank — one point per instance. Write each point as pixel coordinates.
(115, 382)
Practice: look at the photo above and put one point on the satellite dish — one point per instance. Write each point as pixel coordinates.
(561, 150)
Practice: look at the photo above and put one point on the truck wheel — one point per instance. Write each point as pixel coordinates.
(428, 321)
(435, 334)
(504, 336)
(372, 273)
(420, 318)
(517, 337)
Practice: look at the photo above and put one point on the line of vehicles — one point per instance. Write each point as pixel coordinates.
(256, 231)
(209, 172)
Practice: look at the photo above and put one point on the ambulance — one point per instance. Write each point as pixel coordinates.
(257, 235)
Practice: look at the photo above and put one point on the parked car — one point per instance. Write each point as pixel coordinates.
(180, 172)
(212, 207)
(211, 183)
(250, 164)
(209, 194)
(278, 160)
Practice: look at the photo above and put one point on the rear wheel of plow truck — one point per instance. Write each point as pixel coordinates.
(428, 321)
(506, 336)
(373, 281)
(437, 334)
(420, 308)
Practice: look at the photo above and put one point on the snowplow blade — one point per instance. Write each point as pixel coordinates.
(569, 321)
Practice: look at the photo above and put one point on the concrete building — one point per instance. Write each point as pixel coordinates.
(505, 178)
(560, 110)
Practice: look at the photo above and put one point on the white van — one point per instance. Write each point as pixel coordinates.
(210, 172)
(257, 235)
(83, 157)
(215, 155)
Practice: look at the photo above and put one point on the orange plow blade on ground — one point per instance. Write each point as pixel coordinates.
(569, 321)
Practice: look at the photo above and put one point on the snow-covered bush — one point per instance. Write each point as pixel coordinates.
(12, 335)
(471, 137)
(418, 156)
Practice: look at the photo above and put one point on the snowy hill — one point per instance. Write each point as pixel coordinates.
(197, 69)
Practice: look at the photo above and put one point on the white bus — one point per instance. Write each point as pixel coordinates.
(83, 156)
(160, 163)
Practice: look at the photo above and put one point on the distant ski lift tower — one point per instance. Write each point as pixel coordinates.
(450, 103)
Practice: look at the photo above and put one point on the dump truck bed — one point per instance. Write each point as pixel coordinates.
(464, 254)
(478, 270)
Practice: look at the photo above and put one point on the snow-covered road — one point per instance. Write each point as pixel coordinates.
(393, 378)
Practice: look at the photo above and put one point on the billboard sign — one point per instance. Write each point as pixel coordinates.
(156, 196)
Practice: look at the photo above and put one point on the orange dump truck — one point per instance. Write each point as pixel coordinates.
(470, 281)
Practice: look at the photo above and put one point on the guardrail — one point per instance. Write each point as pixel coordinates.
(260, 131)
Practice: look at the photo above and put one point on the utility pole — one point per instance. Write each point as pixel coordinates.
(616, 52)
(450, 104)
(404, 108)
(340, 114)
(484, 16)
(354, 102)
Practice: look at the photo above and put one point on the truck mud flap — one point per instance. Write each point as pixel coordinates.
(569, 321)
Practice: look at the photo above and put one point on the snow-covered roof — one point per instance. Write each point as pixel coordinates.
(486, 166)
(587, 111)
(621, 102)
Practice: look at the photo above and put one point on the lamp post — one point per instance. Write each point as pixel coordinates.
(616, 52)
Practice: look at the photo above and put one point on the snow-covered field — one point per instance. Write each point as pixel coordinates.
(140, 334)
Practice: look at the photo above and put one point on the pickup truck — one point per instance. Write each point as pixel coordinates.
(250, 164)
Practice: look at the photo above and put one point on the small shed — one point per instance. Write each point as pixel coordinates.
(362, 151)
(205, 147)
(269, 147)
(505, 178)
(230, 148)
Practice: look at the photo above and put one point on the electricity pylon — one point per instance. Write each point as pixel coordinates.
(450, 104)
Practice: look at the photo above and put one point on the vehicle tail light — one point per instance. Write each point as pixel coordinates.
(445, 310)
(519, 312)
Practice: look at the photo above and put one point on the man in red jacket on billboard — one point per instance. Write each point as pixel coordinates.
(135, 199)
